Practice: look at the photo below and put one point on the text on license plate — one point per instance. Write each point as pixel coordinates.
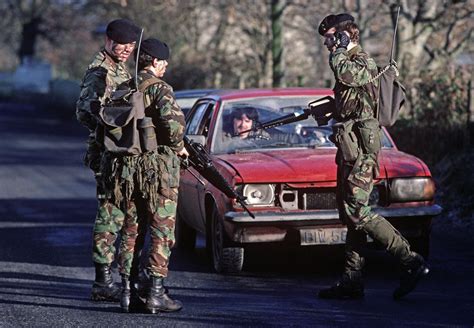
(327, 236)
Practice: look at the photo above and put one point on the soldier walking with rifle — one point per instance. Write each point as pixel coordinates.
(358, 138)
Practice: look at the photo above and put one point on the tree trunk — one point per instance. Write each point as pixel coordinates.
(413, 34)
(278, 7)
(29, 34)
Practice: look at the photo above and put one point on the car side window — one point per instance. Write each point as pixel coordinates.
(195, 118)
(200, 119)
(206, 120)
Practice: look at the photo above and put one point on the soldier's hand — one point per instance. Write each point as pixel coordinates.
(343, 39)
(183, 153)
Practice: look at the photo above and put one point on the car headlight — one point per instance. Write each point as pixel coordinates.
(412, 189)
(259, 194)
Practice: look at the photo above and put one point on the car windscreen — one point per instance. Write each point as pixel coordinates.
(238, 116)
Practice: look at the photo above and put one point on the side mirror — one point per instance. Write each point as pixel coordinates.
(197, 138)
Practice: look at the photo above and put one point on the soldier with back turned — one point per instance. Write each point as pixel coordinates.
(156, 173)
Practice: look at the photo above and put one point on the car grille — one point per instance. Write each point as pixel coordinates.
(317, 199)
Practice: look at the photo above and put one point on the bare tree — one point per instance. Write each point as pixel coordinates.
(432, 32)
(37, 19)
(277, 11)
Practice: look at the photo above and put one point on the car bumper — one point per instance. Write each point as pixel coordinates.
(273, 226)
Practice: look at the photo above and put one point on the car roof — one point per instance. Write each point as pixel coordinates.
(192, 93)
(249, 93)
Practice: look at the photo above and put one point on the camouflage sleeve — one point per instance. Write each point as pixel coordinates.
(92, 89)
(169, 118)
(354, 72)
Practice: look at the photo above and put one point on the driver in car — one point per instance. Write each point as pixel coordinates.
(237, 130)
(243, 120)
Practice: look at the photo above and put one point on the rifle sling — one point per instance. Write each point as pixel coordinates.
(148, 82)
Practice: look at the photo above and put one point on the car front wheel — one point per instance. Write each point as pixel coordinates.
(225, 259)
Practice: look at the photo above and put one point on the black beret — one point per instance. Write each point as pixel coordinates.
(332, 20)
(155, 48)
(123, 31)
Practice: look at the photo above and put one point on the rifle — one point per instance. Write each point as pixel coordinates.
(200, 160)
(321, 109)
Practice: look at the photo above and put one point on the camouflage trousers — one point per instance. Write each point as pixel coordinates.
(158, 183)
(141, 193)
(107, 226)
(355, 184)
(161, 222)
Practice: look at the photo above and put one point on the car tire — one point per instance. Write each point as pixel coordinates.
(225, 259)
(185, 235)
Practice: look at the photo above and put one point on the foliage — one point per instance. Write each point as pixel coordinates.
(438, 121)
(439, 97)
(455, 177)
(228, 44)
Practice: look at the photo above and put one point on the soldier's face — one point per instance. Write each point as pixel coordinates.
(120, 51)
(242, 123)
(330, 39)
(161, 67)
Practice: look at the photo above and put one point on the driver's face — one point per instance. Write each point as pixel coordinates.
(242, 123)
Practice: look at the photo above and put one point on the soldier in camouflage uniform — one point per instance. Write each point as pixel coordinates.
(355, 97)
(156, 177)
(106, 72)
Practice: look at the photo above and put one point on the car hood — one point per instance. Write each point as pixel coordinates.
(400, 164)
(306, 165)
(310, 165)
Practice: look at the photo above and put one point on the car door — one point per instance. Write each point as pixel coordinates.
(192, 185)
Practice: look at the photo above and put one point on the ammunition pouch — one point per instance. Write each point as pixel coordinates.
(121, 134)
(120, 118)
(146, 129)
(346, 140)
(369, 134)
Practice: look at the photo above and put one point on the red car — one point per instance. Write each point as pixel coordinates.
(288, 176)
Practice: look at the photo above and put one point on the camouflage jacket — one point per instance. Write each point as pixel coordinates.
(355, 97)
(102, 77)
(161, 106)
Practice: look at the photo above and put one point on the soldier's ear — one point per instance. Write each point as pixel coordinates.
(155, 62)
(108, 43)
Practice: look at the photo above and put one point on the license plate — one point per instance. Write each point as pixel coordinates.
(328, 236)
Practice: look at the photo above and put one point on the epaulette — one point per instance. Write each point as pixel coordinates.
(98, 60)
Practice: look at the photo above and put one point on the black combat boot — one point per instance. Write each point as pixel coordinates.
(411, 274)
(104, 288)
(350, 287)
(158, 300)
(125, 296)
(137, 302)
